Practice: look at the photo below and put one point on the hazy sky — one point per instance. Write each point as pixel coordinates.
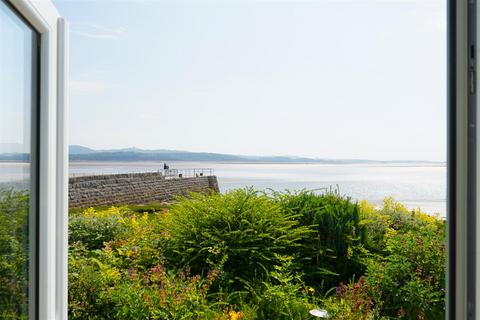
(329, 79)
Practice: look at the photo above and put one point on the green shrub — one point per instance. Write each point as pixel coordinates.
(250, 255)
(407, 274)
(283, 296)
(350, 302)
(241, 232)
(149, 208)
(94, 228)
(333, 252)
(14, 209)
(376, 224)
(141, 244)
(410, 281)
(99, 289)
(124, 278)
(87, 278)
(392, 215)
(403, 219)
(159, 294)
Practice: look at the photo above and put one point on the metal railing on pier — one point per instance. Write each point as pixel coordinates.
(166, 173)
(188, 173)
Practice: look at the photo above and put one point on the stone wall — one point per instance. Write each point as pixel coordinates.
(133, 188)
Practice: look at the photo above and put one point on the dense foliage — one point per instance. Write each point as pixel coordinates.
(14, 207)
(334, 251)
(252, 255)
(409, 281)
(242, 233)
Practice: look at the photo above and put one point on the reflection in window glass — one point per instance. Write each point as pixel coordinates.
(17, 103)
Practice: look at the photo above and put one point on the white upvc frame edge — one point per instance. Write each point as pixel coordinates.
(62, 172)
(53, 161)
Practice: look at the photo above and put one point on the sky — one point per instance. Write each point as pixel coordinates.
(328, 79)
(15, 82)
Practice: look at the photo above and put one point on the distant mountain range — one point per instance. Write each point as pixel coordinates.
(81, 153)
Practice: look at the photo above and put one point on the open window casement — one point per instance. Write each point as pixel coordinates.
(47, 226)
(33, 100)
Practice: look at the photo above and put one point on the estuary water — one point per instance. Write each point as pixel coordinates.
(415, 185)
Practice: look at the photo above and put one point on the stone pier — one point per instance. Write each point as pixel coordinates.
(133, 188)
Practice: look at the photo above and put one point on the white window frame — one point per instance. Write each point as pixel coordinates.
(52, 273)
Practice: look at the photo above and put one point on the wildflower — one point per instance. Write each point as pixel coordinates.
(338, 291)
(233, 315)
(131, 272)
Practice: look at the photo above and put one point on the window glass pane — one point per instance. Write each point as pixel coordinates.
(17, 103)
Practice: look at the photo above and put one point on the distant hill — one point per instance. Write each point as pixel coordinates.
(80, 153)
(120, 155)
(14, 157)
(76, 149)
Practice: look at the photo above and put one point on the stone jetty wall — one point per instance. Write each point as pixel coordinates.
(133, 188)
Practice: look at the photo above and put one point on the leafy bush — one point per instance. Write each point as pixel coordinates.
(99, 290)
(125, 278)
(250, 255)
(142, 243)
(94, 228)
(158, 294)
(350, 302)
(410, 280)
(333, 252)
(393, 215)
(407, 272)
(149, 208)
(403, 219)
(14, 208)
(283, 295)
(376, 224)
(87, 278)
(242, 232)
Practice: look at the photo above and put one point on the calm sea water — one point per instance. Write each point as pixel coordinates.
(417, 186)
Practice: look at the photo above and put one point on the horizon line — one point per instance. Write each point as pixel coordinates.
(260, 156)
